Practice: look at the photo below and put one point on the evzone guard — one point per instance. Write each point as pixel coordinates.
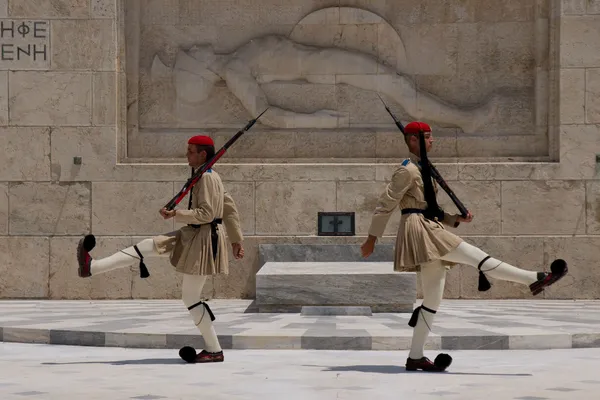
(197, 250)
(424, 244)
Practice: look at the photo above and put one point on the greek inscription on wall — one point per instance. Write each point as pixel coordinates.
(24, 44)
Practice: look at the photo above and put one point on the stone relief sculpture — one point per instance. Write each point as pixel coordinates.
(277, 58)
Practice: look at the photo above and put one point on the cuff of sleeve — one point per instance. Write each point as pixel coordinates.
(183, 216)
(451, 220)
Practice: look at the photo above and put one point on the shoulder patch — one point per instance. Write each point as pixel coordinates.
(405, 162)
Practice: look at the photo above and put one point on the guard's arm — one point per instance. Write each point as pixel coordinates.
(231, 219)
(388, 200)
(204, 213)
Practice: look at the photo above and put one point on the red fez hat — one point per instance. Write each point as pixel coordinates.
(201, 140)
(416, 127)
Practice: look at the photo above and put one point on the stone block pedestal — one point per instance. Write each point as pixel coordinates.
(290, 286)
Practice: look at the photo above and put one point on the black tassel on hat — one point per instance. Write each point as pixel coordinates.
(144, 273)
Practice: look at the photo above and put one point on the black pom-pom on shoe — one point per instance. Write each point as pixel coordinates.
(89, 242)
(558, 267)
(442, 361)
(188, 354)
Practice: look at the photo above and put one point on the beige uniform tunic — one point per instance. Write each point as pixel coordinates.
(190, 248)
(418, 240)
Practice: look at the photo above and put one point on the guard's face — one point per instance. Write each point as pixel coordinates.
(428, 141)
(194, 158)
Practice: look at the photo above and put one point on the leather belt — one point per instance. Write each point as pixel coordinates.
(214, 234)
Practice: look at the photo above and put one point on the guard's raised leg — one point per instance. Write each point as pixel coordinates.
(537, 281)
(123, 258)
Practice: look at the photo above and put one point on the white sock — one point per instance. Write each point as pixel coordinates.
(124, 258)
(433, 280)
(191, 293)
(468, 254)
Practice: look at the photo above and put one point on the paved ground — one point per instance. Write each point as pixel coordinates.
(460, 325)
(49, 372)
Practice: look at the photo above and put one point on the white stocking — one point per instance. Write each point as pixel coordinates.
(468, 254)
(191, 293)
(124, 258)
(433, 280)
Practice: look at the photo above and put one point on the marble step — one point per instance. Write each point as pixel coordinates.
(288, 286)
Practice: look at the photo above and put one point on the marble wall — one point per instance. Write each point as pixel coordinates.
(97, 98)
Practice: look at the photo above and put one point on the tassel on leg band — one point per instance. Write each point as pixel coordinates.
(484, 283)
(210, 313)
(415, 315)
(144, 273)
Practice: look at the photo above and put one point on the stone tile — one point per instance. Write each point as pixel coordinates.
(49, 208)
(579, 45)
(77, 338)
(103, 8)
(564, 200)
(50, 98)
(572, 96)
(530, 342)
(356, 339)
(105, 100)
(24, 335)
(482, 199)
(522, 252)
(276, 341)
(593, 7)
(592, 96)
(361, 198)
(3, 8)
(24, 267)
(136, 340)
(573, 7)
(26, 45)
(581, 255)
(502, 146)
(593, 207)
(121, 208)
(49, 9)
(578, 151)
(3, 209)
(83, 44)
(490, 342)
(3, 97)
(292, 207)
(95, 146)
(27, 154)
(243, 195)
(585, 340)
(64, 283)
(334, 144)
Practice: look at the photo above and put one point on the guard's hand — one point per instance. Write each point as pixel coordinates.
(166, 214)
(466, 219)
(368, 246)
(238, 250)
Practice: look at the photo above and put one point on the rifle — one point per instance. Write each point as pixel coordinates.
(434, 172)
(207, 165)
